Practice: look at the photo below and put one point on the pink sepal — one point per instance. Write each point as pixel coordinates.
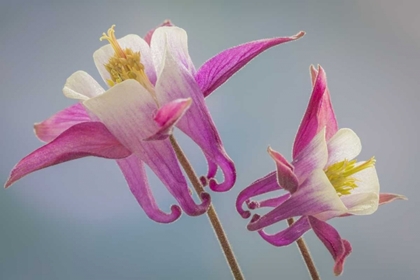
(339, 248)
(319, 114)
(148, 36)
(288, 235)
(56, 124)
(218, 69)
(285, 175)
(81, 140)
(168, 115)
(385, 198)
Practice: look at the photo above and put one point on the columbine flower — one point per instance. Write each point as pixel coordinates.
(323, 181)
(153, 87)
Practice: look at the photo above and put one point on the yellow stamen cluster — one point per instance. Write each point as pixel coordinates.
(340, 174)
(125, 64)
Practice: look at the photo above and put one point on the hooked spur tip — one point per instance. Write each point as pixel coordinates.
(176, 212)
(204, 181)
(251, 226)
(252, 205)
(205, 198)
(255, 218)
(219, 187)
(245, 214)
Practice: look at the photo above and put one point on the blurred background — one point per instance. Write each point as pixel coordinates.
(78, 220)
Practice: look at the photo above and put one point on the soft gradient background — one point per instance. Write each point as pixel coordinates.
(78, 220)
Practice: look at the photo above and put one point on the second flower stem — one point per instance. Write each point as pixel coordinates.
(211, 213)
(306, 255)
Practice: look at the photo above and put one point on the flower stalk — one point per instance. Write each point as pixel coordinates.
(211, 213)
(306, 255)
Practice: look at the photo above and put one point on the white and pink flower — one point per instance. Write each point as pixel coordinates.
(322, 181)
(153, 86)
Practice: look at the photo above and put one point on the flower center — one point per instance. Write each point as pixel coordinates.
(125, 64)
(340, 174)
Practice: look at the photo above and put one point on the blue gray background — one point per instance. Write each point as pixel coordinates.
(78, 220)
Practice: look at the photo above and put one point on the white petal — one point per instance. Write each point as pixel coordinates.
(361, 203)
(367, 180)
(345, 144)
(135, 43)
(313, 156)
(127, 110)
(175, 40)
(364, 199)
(80, 85)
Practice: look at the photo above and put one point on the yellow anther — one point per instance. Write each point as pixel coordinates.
(125, 64)
(340, 174)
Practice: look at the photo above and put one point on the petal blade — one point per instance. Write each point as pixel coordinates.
(339, 248)
(218, 69)
(61, 121)
(80, 140)
(135, 174)
(319, 114)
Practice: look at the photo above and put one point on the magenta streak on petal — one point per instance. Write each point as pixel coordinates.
(218, 69)
(56, 124)
(168, 115)
(315, 195)
(285, 175)
(271, 202)
(135, 174)
(176, 82)
(148, 36)
(130, 121)
(313, 156)
(288, 235)
(81, 140)
(338, 248)
(319, 114)
(263, 185)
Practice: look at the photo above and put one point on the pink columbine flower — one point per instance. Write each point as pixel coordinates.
(323, 181)
(153, 86)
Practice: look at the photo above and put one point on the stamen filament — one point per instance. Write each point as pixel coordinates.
(125, 64)
(340, 174)
(113, 41)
